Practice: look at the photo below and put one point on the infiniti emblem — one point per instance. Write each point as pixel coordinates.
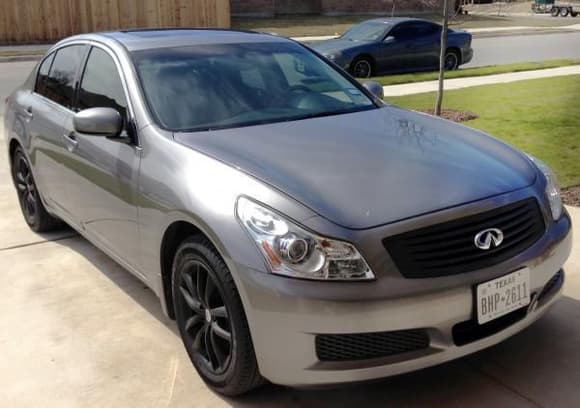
(489, 238)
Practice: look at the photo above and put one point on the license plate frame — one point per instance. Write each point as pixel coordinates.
(501, 296)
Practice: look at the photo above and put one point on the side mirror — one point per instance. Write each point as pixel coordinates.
(374, 88)
(98, 122)
(390, 39)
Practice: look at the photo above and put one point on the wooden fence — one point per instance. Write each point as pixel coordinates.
(36, 21)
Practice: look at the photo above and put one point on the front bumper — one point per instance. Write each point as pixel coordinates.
(284, 325)
(467, 55)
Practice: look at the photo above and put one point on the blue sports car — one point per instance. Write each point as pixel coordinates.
(389, 45)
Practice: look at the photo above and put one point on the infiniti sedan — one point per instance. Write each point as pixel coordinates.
(397, 44)
(297, 228)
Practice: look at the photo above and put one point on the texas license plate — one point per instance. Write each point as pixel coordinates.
(503, 295)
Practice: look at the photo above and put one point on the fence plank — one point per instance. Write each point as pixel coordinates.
(33, 21)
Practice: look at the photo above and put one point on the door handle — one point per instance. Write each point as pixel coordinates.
(71, 141)
(28, 113)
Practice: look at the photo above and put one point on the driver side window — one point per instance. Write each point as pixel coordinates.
(101, 85)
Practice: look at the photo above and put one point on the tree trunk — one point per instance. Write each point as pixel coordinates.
(439, 101)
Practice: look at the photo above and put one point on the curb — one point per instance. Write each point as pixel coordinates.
(20, 58)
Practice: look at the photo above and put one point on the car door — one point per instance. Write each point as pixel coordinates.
(104, 184)
(395, 50)
(47, 109)
(425, 45)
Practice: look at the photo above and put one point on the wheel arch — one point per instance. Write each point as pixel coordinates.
(12, 146)
(173, 236)
(457, 52)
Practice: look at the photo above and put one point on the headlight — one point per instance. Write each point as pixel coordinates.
(292, 251)
(332, 56)
(552, 188)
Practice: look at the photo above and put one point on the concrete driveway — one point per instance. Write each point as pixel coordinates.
(78, 331)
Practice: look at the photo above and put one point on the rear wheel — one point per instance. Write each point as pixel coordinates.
(555, 11)
(211, 319)
(34, 212)
(564, 12)
(451, 60)
(362, 67)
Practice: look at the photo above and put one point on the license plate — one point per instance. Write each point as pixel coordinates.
(503, 295)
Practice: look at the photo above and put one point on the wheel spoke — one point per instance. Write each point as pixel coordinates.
(209, 288)
(192, 322)
(193, 304)
(209, 349)
(220, 312)
(197, 340)
(189, 282)
(220, 356)
(220, 332)
(199, 283)
(21, 187)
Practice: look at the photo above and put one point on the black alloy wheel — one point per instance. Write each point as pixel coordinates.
(451, 61)
(207, 325)
(33, 210)
(211, 319)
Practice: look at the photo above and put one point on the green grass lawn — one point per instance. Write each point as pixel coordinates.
(471, 72)
(540, 116)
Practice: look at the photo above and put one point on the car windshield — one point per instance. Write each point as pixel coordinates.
(218, 86)
(369, 31)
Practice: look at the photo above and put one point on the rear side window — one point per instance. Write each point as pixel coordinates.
(42, 78)
(101, 86)
(60, 85)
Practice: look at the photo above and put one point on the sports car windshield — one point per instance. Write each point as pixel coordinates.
(369, 31)
(218, 86)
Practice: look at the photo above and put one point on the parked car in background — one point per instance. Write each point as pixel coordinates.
(392, 45)
(297, 228)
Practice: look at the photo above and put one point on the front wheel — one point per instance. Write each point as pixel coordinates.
(211, 319)
(362, 67)
(555, 11)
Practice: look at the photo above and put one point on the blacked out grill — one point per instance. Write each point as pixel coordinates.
(361, 346)
(448, 248)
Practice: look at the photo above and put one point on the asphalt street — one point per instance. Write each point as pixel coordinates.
(487, 51)
(524, 48)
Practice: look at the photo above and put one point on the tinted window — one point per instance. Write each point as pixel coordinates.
(60, 84)
(230, 85)
(42, 78)
(369, 31)
(101, 86)
(410, 31)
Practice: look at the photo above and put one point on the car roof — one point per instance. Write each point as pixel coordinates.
(396, 20)
(143, 39)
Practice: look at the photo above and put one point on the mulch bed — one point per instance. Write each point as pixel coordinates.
(454, 115)
(571, 196)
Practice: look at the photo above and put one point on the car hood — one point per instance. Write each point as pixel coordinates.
(335, 45)
(369, 168)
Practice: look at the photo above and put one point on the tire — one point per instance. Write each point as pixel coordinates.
(362, 67)
(564, 12)
(555, 12)
(208, 310)
(574, 13)
(451, 60)
(33, 210)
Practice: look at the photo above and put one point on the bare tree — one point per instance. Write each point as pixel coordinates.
(442, 53)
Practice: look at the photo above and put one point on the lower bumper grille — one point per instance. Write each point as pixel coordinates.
(362, 346)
